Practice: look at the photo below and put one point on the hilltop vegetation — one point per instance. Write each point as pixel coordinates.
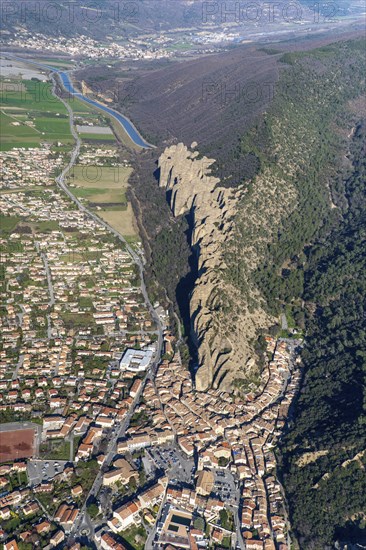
(299, 240)
(298, 146)
(211, 100)
(328, 496)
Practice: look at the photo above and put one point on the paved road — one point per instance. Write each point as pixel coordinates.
(50, 288)
(19, 365)
(152, 534)
(83, 522)
(134, 255)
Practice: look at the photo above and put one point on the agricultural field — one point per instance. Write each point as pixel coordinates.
(8, 224)
(81, 108)
(101, 177)
(104, 189)
(124, 222)
(59, 63)
(97, 137)
(30, 114)
(16, 134)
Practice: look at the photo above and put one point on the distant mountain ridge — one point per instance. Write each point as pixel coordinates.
(119, 19)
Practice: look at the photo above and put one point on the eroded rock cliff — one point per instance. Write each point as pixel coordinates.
(224, 323)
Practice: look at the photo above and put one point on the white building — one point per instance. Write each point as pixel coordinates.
(136, 360)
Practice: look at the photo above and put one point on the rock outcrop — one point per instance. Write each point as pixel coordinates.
(224, 325)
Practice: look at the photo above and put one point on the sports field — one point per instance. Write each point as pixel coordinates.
(16, 444)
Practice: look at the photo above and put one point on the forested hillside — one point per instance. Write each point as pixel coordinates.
(327, 490)
(212, 100)
(313, 258)
(300, 144)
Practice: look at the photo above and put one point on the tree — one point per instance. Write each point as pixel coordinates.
(199, 523)
(93, 510)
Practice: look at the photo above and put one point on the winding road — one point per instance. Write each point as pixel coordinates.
(60, 180)
(83, 522)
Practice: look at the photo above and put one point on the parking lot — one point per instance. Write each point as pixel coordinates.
(225, 487)
(171, 460)
(42, 470)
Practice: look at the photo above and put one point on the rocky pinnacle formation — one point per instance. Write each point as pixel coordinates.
(223, 327)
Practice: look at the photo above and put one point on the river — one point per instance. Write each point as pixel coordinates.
(126, 124)
(124, 121)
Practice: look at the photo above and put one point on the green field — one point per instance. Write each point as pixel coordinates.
(80, 107)
(36, 97)
(180, 46)
(77, 320)
(103, 177)
(24, 189)
(77, 257)
(135, 536)
(105, 187)
(45, 226)
(102, 196)
(30, 114)
(57, 449)
(7, 224)
(98, 137)
(55, 62)
(16, 136)
(54, 128)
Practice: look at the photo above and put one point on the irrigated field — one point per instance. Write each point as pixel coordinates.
(97, 137)
(30, 114)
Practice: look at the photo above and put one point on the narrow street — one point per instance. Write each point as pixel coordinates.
(50, 288)
(83, 521)
(19, 365)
